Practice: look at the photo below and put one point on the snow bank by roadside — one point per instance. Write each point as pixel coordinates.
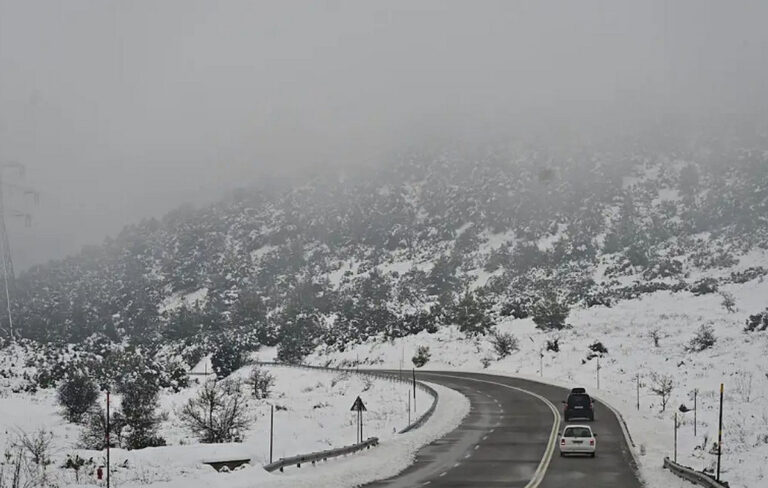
(389, 458)
(312, 412)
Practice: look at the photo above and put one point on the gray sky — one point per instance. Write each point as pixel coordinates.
(126, 109)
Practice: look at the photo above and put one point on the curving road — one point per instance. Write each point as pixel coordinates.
(509, 440)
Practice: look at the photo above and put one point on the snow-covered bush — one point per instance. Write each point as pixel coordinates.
(227, 358)
(549, 312)
(218, 413)
(704, 339)
(748, 274)
(261, 382)
(139, 405)
(77, 394)
(421, 357)
(596, 349)
(757, 322)
(704, 286)
(504, 344)
(553, 344)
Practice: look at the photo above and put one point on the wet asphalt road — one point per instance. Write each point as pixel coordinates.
(502, 442)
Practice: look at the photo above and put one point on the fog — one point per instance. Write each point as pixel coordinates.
(124, 110)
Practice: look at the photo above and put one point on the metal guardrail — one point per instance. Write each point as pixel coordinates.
(695, 477)
(373, 441)
(314, 457)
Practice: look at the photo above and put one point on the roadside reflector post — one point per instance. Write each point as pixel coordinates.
(675, 437)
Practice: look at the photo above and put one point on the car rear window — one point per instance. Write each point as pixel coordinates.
(580, 400)
(577, 432)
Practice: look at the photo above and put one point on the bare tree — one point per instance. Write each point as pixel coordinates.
(662, 386)
(504, 343)
(218, 413)
(36, 445)
(728, 303)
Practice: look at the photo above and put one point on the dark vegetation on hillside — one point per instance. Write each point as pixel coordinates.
(313, 265)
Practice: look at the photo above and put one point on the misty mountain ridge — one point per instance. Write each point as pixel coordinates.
(434, 239)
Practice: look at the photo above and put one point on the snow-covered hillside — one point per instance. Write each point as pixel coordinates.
(627, 331)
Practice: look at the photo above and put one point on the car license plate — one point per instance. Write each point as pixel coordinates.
(578, 407)
(578, 442)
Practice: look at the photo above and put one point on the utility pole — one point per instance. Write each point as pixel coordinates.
(637, 380)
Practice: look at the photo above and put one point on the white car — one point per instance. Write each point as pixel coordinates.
(578, 439)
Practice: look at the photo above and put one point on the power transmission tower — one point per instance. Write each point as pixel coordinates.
(6, 267)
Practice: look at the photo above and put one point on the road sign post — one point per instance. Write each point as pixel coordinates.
(359, 407)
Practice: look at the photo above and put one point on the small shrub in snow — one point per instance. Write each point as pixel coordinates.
(486, 361)
(504, 344)
(662, 386)
(261, 383)
(757, 322)
(421, 357)
(218, 413)
(596, 349)
(76, 463)
(728, 302)
(704, 339)
(553, 345)
(704, 286)
(655, 337)
(77, 394)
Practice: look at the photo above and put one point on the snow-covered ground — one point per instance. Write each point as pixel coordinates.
(312, 412)
(737, 359)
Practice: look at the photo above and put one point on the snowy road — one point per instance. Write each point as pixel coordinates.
(509, 439)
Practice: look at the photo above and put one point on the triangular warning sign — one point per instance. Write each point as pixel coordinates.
(358, 406)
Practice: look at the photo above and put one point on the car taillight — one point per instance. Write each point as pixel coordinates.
(562, 442)
(591, 442)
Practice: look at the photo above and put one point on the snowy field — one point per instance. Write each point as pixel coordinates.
(737, 359)
(312, 412)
